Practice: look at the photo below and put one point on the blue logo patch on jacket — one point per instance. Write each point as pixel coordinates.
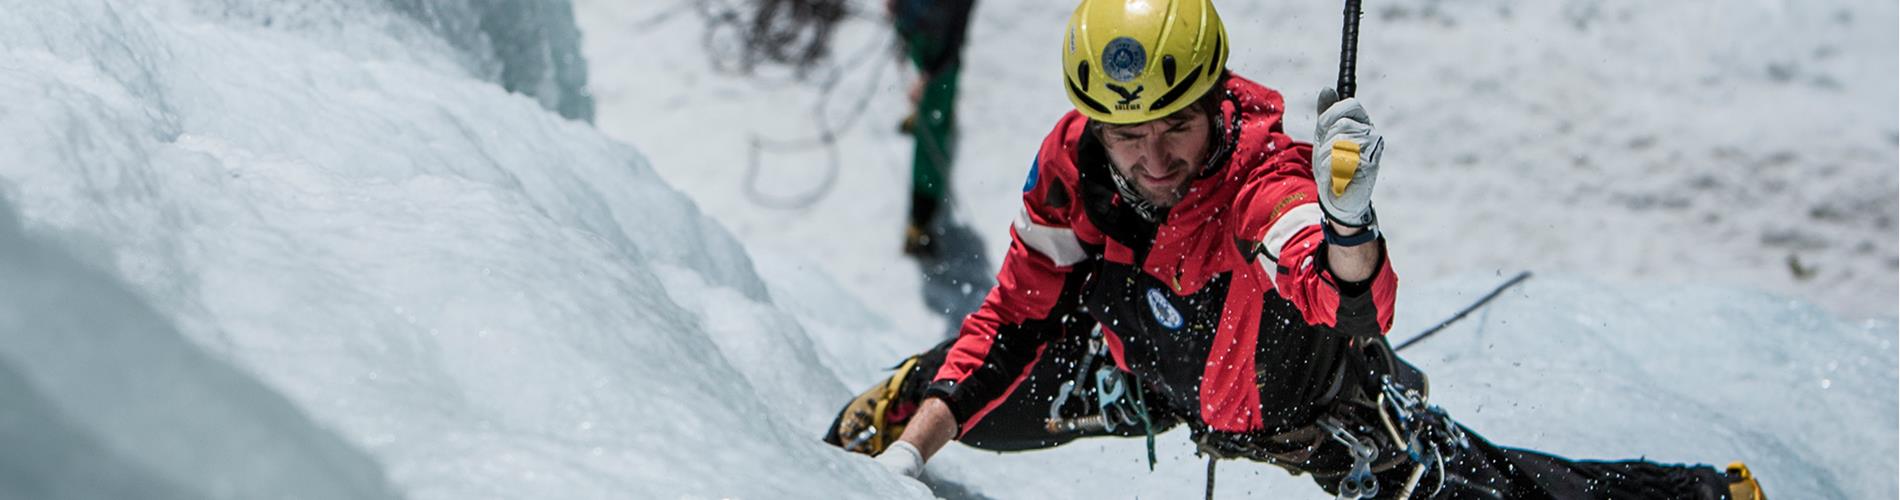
(1035, 164)
(1164, 311)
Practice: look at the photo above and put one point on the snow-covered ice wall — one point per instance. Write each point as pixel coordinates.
(526, 46)
(101, 397)
(319, 250)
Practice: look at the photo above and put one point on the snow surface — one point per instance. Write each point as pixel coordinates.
(334, 262)
(319, 249)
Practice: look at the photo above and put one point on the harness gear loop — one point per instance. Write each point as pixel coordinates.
(1055, 423)
(1358, 483)
(1112, 388)
(1429, 437)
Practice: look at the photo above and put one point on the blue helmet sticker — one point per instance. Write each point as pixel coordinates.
(1035, 165)
(1124, 59)
(1164, 311)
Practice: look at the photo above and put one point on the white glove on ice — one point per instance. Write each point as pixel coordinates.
(1345, 159)
(902, 458)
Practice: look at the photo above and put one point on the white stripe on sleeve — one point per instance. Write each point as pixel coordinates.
(1290, 223)
(1056, 243)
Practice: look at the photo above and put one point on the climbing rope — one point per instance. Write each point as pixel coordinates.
(826, 138)
(1519, 278)
(742, 37)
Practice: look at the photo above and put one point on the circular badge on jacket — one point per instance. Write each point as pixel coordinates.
(1164, 311)
(1124, 59)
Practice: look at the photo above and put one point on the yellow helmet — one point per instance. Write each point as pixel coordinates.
(1130, 61)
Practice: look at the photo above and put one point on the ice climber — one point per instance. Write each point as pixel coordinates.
(1180, 260)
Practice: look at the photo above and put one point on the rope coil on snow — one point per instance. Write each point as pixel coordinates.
(742, 36)
(827, 137)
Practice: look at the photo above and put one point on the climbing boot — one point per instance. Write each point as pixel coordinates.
(909, 125)
(1742, 484)
(918, 242)
(875, 418)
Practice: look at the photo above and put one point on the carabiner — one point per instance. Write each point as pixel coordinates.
(1359, 482)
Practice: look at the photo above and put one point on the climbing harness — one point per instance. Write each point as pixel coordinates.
(1359, 482)
(1425, 433)
(1118, 398)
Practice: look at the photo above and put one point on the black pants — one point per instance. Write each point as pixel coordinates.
(1469, 467)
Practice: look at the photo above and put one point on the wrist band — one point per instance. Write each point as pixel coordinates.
(1333, 238)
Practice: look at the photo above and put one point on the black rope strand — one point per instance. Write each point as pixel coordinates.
(744, 36)
(1210, 476)
(1467, 310)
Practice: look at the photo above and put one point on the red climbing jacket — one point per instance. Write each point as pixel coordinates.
(1222, 303)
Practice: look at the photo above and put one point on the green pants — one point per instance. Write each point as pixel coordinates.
(935, 134)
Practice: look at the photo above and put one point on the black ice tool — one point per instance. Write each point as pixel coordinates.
(1349, 52)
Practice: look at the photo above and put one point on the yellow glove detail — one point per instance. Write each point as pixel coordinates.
(1345, 164)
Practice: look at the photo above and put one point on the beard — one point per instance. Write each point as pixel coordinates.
(1164, 197)
(1160, 195)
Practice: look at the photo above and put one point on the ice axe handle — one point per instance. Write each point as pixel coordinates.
(1349, 51)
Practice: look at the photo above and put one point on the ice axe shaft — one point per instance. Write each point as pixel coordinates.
(1349, 52)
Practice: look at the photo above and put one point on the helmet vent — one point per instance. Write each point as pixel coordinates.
(1083, 97)
(1082, 74)
(1167, 69)
(1176, 92)
(1219, 55)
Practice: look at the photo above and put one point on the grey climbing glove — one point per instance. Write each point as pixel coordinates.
(1345, 159)
(903, 459)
